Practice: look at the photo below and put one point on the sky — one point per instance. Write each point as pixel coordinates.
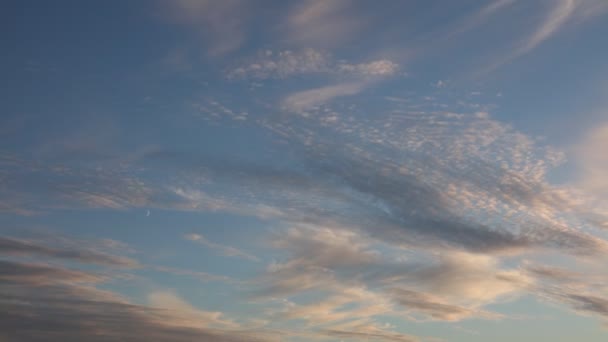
(312, 170)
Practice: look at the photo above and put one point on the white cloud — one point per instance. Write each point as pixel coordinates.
(325, 247)
(282, 64)
(560, 14)
(307, 99)
(556, 18)
(440, 84)
(270, 64)
(193, 199)
(471, 280)
(383, 67)
(481, 16)
(343, 264)
(590, 191)
(186, 315)
(594, 160)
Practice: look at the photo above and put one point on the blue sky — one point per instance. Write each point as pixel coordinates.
(304, 170)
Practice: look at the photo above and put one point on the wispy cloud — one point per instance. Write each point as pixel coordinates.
(187, 315)
(430, 305)
(368, 330)
(15, 274)
(560, 14)
(480, 16)
(593, 161)
(70, 307)
(556, 18)
(69, 186)
(222, 24)
(222, 249)
(307, 99)
(289, 63)
(69, 310)
(202, 276)
(322, 23)
(282, 64)
(20, 247)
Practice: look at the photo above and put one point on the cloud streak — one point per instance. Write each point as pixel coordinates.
(311, 98)
(222, 249)
(19, 247)
(291, 63)
(68, 311)
(221, 24)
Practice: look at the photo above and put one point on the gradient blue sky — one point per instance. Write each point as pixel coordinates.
(194, 170)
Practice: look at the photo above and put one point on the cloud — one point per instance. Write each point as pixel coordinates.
(593, 161)
(368, 331)
(353, 303)
(589, 9)
(581, 287)
(194, 199)
(185, 314)
(383, 67)
(430, 305)
(281, 281)
(40, 274)
(18, 247)
(436, 178)
(70, 307)
(586, 303)
(222, 249)
(402, 210)
(348, 267)
(34, 187)
(481, 16)
(457, 180)
(441, 177)
(555, 19)
(282, 64)
(322, 23)
(404, 213)
(69, 311)
(221, 23)
(408, 213)
(202, 276)
(469, 279)
(578, 296)
(562, 13)
(307, 99)
(326, 247)
(291, 63)
(440, 84)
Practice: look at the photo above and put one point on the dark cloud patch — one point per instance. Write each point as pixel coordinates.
(588, 303)
(409, 207)
(20, 273)
(35, 307)
(419, 202)
(582, 300)
(19, 247)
